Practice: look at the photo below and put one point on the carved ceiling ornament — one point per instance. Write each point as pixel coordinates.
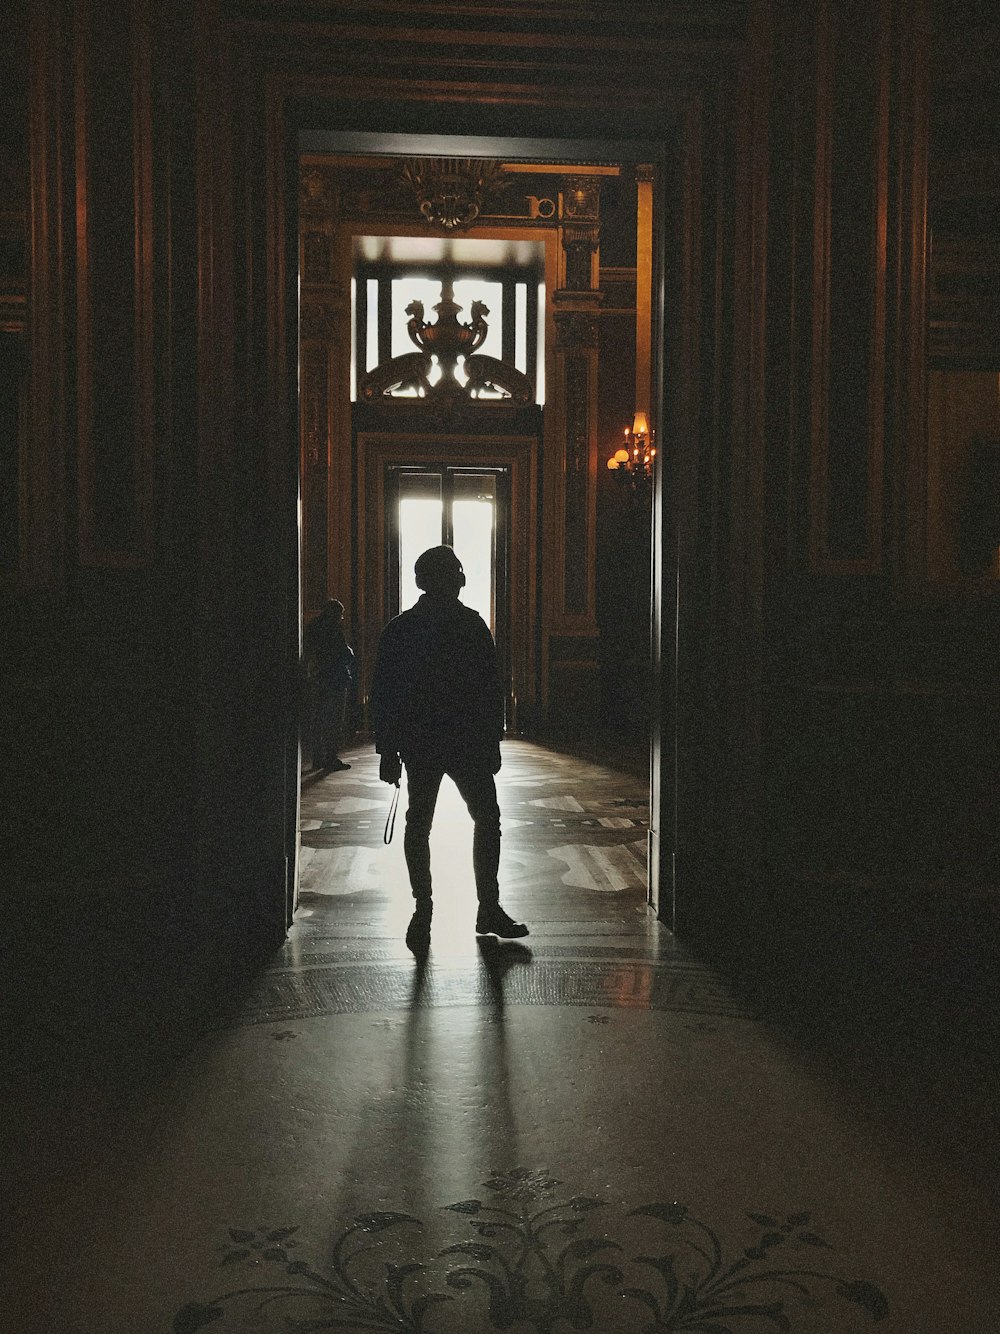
(582, 198)
(318, 189)
(452, 192)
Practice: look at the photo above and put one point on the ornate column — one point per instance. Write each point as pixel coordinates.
(572, 638)
(325, 336)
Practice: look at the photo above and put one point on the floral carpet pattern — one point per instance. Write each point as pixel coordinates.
(537, 1260)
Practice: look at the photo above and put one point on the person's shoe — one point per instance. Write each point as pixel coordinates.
(491, 920)
(418, 933)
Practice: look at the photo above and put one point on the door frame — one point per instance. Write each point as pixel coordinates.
(499, 556)
(255, 98)
(377, 452)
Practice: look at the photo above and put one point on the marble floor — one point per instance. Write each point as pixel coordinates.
(588, 1129)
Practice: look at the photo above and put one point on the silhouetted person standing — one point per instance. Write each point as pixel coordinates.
(330, 668)
(437, 708)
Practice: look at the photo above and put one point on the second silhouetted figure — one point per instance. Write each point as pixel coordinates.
(437, 707)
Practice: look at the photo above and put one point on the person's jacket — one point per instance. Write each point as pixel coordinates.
(328, 654)
(436, 692)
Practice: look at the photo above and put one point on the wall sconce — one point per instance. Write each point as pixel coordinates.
(633, 463)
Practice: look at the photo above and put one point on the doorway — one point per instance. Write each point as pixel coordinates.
(404, 467)
(467, 508)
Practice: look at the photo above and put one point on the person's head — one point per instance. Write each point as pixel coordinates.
(438, 570)
(335, 609)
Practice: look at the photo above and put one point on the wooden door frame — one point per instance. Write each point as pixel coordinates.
(263, 91)
(379, 450)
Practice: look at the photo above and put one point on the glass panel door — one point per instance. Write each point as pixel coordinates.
(473, 522)
(466, 508)
(420, 525)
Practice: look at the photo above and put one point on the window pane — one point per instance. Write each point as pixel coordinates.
(371, 343)
(540, 374)
(354, 340)
(420, 527)
(521, 327)
(473, 517)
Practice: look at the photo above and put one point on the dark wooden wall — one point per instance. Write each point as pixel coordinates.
(880, 689)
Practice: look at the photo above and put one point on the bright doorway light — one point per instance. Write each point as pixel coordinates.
(473, 517)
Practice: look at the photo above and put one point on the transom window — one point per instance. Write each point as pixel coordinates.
(514, 297)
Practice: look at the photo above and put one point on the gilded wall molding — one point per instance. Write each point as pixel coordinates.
(581, 197)
(576, 307)
(580, 244)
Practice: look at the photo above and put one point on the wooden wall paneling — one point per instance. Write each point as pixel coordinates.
(908, 415)
(325, 349)
(571, 501)
(795, 82)
(115, 234)
(225, 843)
(743, 827)
(13, 442)
(274, 703)
(852, 42)
(677, 809)
(42, 538)
(316, 373)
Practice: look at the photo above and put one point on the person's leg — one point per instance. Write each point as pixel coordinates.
(316, 723)
(324, 752)
(335, 735)
(423, 781)
(479, 792)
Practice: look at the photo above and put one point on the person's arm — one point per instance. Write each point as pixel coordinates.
(491, 698)
(384, 705)
(492, 694)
